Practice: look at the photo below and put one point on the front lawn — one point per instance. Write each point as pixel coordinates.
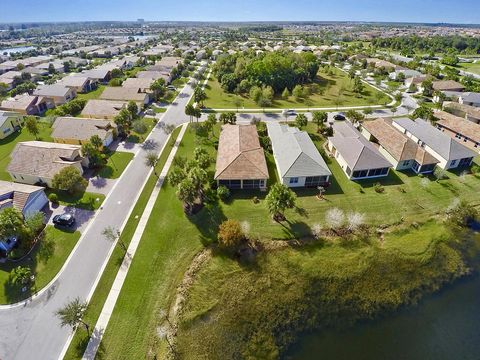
(45, 261)
(470, 67)
(137, 138)
(116, 164)
(8, 144)
(86, 200)
(335, 91)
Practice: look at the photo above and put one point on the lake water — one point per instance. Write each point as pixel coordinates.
(19, 49)
(444, 326)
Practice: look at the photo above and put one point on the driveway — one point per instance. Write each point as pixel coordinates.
(82, 217)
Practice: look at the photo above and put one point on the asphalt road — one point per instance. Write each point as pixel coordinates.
(31, 330)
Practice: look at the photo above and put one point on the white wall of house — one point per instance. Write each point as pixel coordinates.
(32, 180)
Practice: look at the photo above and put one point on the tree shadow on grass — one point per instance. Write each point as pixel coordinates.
(296, 229)
(207, 222)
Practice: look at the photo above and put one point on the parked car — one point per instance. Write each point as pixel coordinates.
(150, 112)
(67, 220)
(339, 117)
(171, 87)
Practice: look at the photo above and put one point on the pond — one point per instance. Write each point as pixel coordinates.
(443, 326)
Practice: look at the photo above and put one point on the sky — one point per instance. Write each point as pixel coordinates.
(448, 11)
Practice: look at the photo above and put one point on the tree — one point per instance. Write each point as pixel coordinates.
(112, 234)
(199, 95)
(228, 117)
(297, 92)
(123, 121)
(427, 87)
(132, 108)
(3, 89)
(393, 110)
(96, 141)
(190, 111)
(197, 113)
(285, 94)
(72, 314)
(230, 234)
(358, 86)
(237, 102)
(92, 153)
(460, 215)
(354, 116)
(69, 179)
(278, 199)
(51, 69)
(319, 117)
(35, 222)
(200, 155)
(158, 88)
(187, 193)
(21, 275)
(11, 223)
(301, 120)
(423, 112)
(211, 122)
(31, 125)
(151, 161)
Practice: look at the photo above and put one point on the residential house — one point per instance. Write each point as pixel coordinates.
(470, 113)
(81, 84)
(401, 151)
(27, 104)
(9, 123)
(465, 132)
(417, 80)
(57, 66)
(121, 93)
(357, 156)
(298, 161)
(470, 98)
(72, 130)
(37, 162)
(102, 109)
(447, 85)
(450, 153)
(60, 94)
(103, 76)
(139, 83)
(241, 161)
(28, 199)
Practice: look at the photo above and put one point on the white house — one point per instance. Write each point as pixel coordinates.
(298, 161)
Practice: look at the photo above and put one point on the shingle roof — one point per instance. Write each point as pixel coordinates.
(295, 153)
(43, 159)
(447, 85)
(441, 143)
(398, 145)
(122, 93)
(471, 97)
(51, 90)
(240, 155)
(103, 108)
(467, 109)
(18, 193)
(458, 125)
(81, 129)
(358, 152)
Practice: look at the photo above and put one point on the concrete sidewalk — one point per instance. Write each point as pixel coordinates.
(114, 293)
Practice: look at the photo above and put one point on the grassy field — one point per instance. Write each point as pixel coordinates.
(45, 261)
(470, 67)
(165, 253)
(117, 162)
(95, 94)
(336, 90)
(86, 200)
(8, 144)
(80, 340)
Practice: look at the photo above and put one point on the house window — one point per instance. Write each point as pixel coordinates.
(349, 171)
(465, 162)
(294, 180)
(406, 163)
(416, 166)
(231, 184)
(427, 168)
(453, 163)
(360, 174)
(312, 181)
(252, 184)
(6, 131)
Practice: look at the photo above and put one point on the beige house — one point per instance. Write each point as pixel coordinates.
(60, 94)
(81, 84)
(72, 130)
(27, 104)
(465, 132)
(139, 83)
(102, 109)
(37, 162)
(470, 113)
(241, 161)
(9, 123)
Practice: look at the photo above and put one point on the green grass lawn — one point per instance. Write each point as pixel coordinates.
(8, 144)
(95, 94)
(470, 67)
(331, 85)
(165, 253)
(87, 200)
(46, 260)
(137, 138)
(117, 162)
(80, 339)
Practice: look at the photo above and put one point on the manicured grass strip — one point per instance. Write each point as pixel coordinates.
(116, 164)
(80, 339)
(45, 261)
(95, 94)
(87, 200)
(8, 144)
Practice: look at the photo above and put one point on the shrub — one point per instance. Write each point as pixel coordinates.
(223, 192)
(140, 127)
(53, 198)
(378, 188)
(230, 234)
(475, 169)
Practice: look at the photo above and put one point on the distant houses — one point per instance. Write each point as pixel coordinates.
(299, 164)
(450, 153)
(241, 161)
(357, 157)
(464, 131)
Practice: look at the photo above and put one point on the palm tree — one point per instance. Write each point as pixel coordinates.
(72, 314)
(151, 161)
(278, 199)
(112, 234)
